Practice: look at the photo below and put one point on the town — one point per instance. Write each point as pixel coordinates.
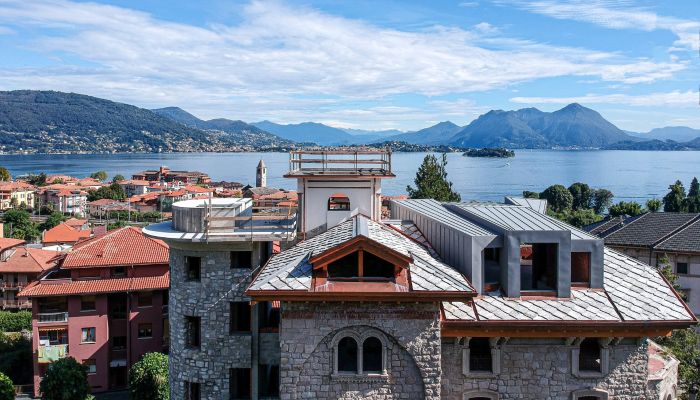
(170, 285)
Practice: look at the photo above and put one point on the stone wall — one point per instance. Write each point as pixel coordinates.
(541, 370)
(413, 342)
(209, 299)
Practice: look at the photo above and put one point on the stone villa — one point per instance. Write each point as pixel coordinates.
(469, 301)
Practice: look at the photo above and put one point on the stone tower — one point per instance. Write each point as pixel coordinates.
(261, 174)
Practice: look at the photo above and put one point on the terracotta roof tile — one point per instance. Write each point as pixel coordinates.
(64, 233)
(124, 246)
(25, 260)
(6, 243)
(68, 287)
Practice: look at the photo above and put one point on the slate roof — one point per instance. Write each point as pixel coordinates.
(685, 240)
(605, 227)
(433, 209)
(518, 218)
(633, 292)
(291, 270)
(124, 246)
(649, 229)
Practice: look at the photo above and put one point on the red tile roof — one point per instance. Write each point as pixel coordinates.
(64, 233)
(96, 286)
(25, 260)
(6, 243)
(124, 246)
(16, 185)
(75, 223)
(103, 202)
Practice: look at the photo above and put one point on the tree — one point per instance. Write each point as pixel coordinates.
(113, 191)
(653, 205)
(37, 180)
(673, 201)
(148, 378)
(577, 218)
(13, 202)
(7, 388)
(692, 202)
(530, 195)
(5, 175)
(99, 175)
(602, 199)
(117, 178)
(65, 379)
(558, 198)
(431, 181)
(631, 208)
(52, 220)
(18, 225)
(582, 195)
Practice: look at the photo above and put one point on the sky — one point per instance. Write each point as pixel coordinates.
(364, 64)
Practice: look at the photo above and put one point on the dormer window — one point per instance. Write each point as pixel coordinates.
(338, 202)
(538, 266)
(361, 265)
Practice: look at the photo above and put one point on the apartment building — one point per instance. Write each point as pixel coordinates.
(16, 194)
(465, 301)
(105, 304)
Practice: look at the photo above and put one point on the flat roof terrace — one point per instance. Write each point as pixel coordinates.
(342, 162)
(228, 220)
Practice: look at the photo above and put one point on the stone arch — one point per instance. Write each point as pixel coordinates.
(480, 395)
(401, 378)
(597, 394)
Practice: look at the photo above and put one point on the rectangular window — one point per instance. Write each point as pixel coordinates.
(119, 343)
(538, 266)
(240, 317)
(192, 326)
(118, 272)
(88, 335)
(580, 269)
(682, 268)
(239, 384)
(241, 259)
(269, 382)
(269, 316)
(145, 299)
(91, 365)
(145, 331)
(192, 391)
(193, 267)
(87, 303)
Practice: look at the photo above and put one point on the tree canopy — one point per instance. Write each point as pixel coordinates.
(148, 378)
(673, 201)
(65, 379)
(99, 175)
(631, 208)
(19, 225)
(559, 199)
(113, 191)
(582, 195)
(602, 199)
(117, 178)
(52, 220)
(7, 389)
(5, 175)
(431, 181)
(654, 205)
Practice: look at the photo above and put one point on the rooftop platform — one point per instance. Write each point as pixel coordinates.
(350, 162)
(227, 220)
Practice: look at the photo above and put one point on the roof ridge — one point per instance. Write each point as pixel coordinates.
(677, 230)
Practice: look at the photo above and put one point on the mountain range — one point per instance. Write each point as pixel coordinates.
(57, 122)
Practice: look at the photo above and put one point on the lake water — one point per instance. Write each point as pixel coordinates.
(630, 175)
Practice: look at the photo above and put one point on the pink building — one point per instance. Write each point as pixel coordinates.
(105, 305)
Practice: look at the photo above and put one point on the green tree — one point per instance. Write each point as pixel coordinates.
(692, 202)
(148, 378)
(5, 175)
(117, 178)
(37, 180)
(602, 199)
(18, 321)
(631, 208)
(52, 220)
(653, 205)
(7, 388)
(431, 181)
(65, 379)
(674, 199)
(16, 350)
(530, 195)
(559, 199)
(13, 202)
(582, 195)
(113, 191)
(99, 175)
(19, 225)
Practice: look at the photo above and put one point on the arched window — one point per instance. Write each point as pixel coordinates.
(589, 356)
(480, 395)
(372, 355)
(347, 355)
(589, 394)
(480, 355)
(338, 202)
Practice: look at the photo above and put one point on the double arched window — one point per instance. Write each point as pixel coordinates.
(360, 354)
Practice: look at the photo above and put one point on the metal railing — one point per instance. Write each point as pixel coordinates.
(350, 160)
(52, 317)
(278, 216)
(13, 285)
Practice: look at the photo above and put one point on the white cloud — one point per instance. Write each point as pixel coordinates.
(616, 14)
(287, 63)
(671, 99)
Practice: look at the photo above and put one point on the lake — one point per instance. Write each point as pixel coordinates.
(630, 175)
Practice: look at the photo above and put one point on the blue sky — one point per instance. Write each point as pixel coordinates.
(364, 64)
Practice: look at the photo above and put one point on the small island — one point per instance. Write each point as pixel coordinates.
(490, 153)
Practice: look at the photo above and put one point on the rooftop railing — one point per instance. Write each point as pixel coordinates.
(52, 317)
(349, 161)
(260, 216)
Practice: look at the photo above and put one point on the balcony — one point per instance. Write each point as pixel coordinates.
(51, 353)
(54, 317)
(15, 304)
(13, 285)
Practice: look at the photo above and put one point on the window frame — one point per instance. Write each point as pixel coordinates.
(83, 336)
(600, 394)
(91, 364)
(188, 265)
(687, 268)
(604, 358)
(82, 303)
(495, 344)
(231, 387)
(189, 387)
(360, 338)
(341, 200)
(233, 306)
(475, 394)
(188, 332)
(139, 329)
(237, 257)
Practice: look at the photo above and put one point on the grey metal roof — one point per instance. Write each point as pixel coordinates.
(685, 240)
(291, 270)
(539, 205)
(649, 229)
(519, 218)
(633, 292)
(435, 210)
